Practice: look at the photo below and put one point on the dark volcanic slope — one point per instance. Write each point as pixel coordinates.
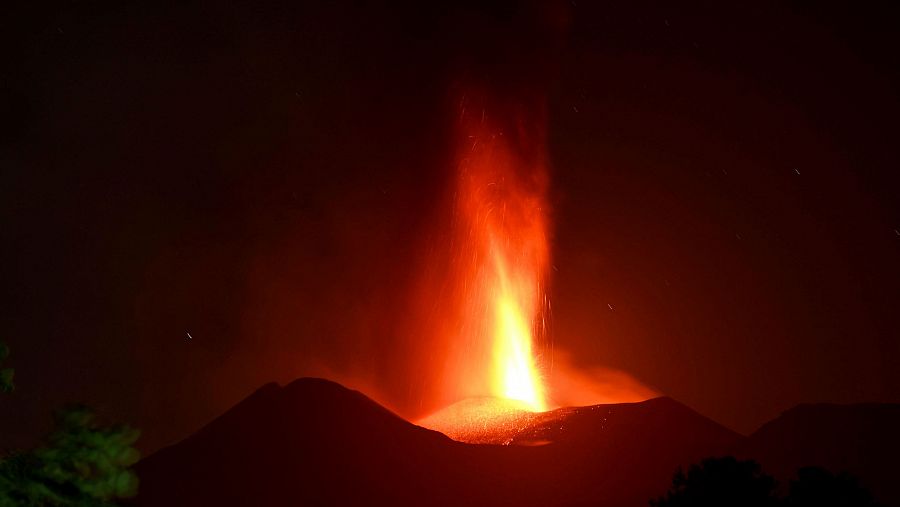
(861, 439)
(314, 442)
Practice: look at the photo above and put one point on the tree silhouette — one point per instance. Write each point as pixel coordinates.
(730, 482)
(818, 487)
(6, 374)
(716, 482)
(81, 464)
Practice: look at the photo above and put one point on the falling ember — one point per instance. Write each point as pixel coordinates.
(501, 212)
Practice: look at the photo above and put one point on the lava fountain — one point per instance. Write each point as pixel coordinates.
(498, 273)
(505, 211)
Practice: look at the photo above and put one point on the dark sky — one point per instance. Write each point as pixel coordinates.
(263, 175)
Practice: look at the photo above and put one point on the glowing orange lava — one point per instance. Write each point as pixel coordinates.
(501, 202)
(485, 301)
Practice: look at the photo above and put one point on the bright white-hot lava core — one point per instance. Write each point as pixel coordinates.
(515, 375)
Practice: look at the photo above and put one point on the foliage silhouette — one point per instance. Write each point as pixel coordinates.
(82, 463)
(818, 487)
(6, 374)
(720, 481)
(735, 483)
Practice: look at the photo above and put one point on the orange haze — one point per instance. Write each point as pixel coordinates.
(579, 386)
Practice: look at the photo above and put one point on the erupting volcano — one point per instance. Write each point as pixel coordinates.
(501, 258)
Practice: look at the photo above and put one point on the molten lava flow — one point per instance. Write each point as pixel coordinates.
(501, 204)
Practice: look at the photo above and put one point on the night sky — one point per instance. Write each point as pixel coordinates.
(264, 176)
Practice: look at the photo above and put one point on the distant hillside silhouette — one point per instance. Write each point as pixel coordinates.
(861, 439)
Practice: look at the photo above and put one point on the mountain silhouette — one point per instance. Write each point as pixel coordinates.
(315, 442)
